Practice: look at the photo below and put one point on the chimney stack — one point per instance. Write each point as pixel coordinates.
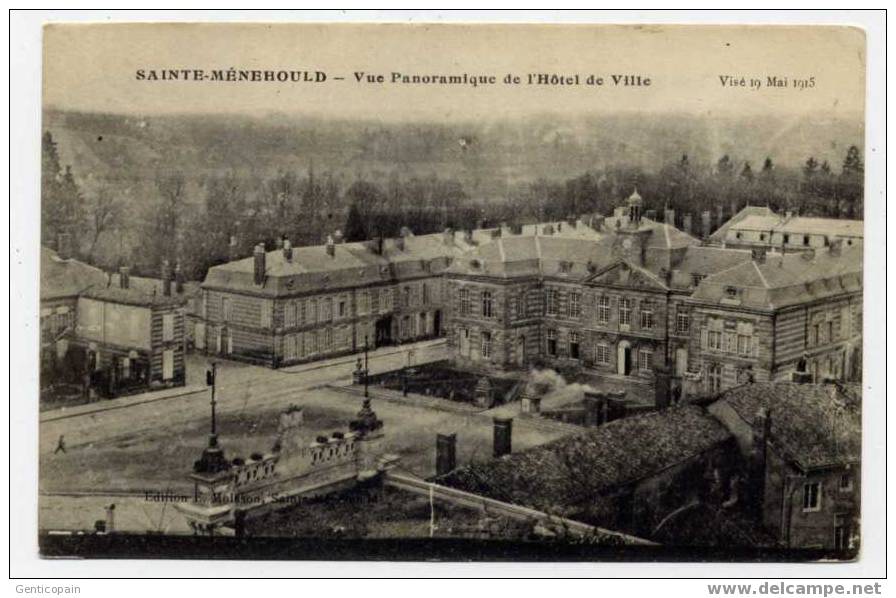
(178, 278)
(260, 266)
(287, 250)
(124, 277)
(233, 251)
(669, 216)
(166, 278)
(759, 255)
(64, 246)
(331, 246)
(503, 434)
(446, 453)
(762, 428)
(687, 223)
(706, 218)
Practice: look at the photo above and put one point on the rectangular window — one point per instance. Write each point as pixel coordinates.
(845, 482)
(312, 311)
(374, 301)
(265, 319)
(168, 327)
(407, 297)
(830, 331)
(683, 323)
(168, 364)
(602, 353)
(341, 308)
(812, 496)
(625, 311)
(646, 319)
(575, 304)
(842, 532)
(425, 294)
(465, 302)
(815, 337)
(551, 299)
(603, 310)
(520, 306)
(744, 344)
(363, 302)
(714, 340)
(552, 343)
(714, 379)
(645, 360)
(487, 304)
(226, 309)
(290, 314)
(486, 345)
(574, 345)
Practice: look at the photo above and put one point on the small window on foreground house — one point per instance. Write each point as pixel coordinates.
(806, 240)
(845, 482)
(731, 292)
(812, 496)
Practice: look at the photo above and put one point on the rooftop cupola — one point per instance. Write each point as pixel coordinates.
(634, 203)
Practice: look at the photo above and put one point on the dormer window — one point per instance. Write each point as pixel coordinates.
(806, 240)
(565, 267)
(731, 292)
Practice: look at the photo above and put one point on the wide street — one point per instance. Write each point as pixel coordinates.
(240, 387)
(117, 451)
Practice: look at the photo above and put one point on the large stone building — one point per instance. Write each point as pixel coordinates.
(296, 304)
(638, 298)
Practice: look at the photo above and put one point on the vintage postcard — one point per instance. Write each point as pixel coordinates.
(452, 291)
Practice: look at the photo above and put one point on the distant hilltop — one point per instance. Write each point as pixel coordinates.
(485, 156)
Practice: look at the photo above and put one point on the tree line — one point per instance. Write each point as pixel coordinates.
(195, 221)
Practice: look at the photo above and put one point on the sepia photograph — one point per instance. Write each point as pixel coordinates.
(454, 292)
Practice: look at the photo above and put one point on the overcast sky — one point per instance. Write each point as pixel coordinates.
(93, 67)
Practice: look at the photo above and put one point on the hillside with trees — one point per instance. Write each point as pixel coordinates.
(139, 190)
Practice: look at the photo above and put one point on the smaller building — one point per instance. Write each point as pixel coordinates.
(134, 339)
(109, 334)
(630, 474)
(803, 443)
(756, 226)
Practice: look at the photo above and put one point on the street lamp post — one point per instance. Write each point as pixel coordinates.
(366, 367)
(210, 378)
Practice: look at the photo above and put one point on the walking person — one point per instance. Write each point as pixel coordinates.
(60, 444)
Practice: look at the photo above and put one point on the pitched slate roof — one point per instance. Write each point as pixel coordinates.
(141, 296)
(814, 425)
(65, 278)
(575, 254)
(522, 256)
(784, 280)
(763, 219)
(312, 268)
(721, 233)
(704, 261)
(566, 472)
